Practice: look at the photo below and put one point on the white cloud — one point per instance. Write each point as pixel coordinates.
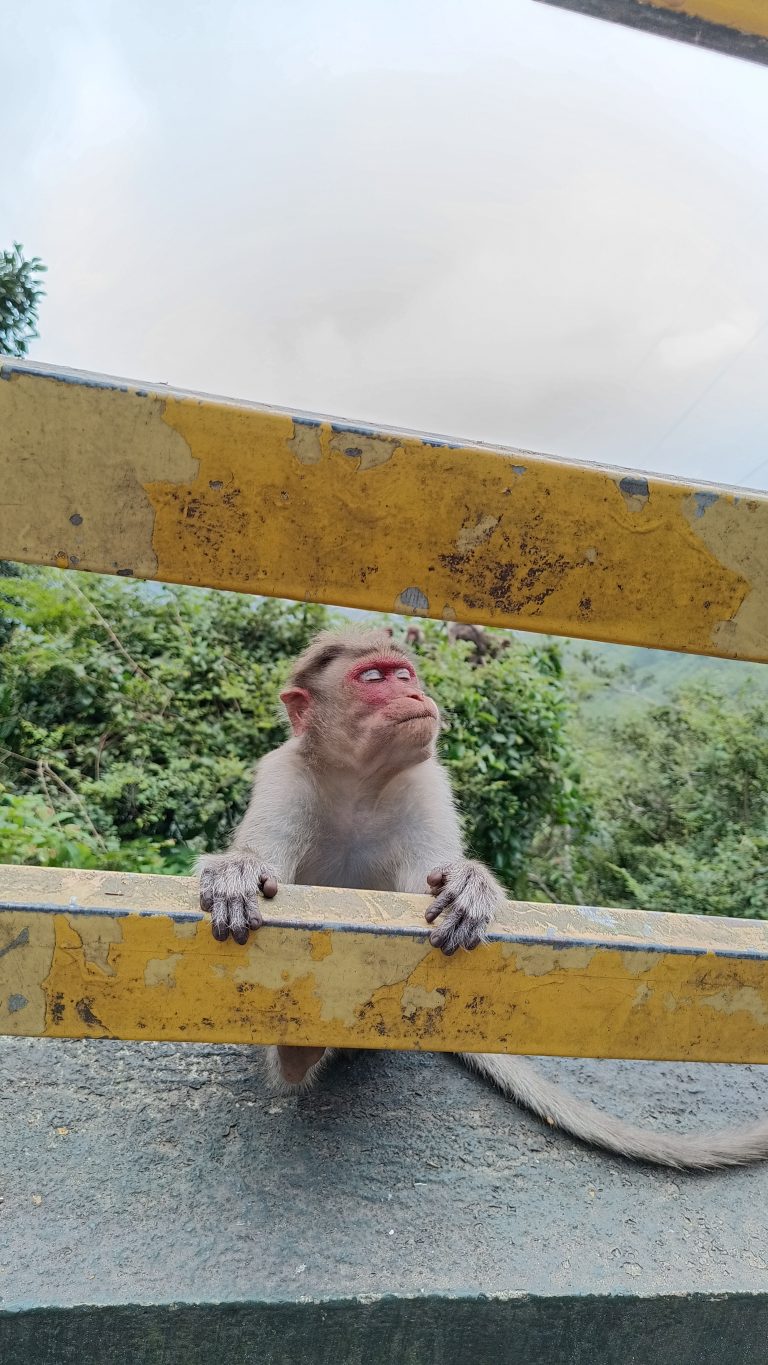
(503, 221)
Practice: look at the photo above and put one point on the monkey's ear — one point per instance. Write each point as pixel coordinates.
(297, 702)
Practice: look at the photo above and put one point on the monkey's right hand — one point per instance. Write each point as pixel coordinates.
(231, 887)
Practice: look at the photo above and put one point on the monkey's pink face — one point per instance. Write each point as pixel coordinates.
(385, 695)
(390, 722)
(370, 714)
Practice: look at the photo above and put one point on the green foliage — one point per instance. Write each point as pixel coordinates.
(20, 295)
(34, 831)
(131, 717)
(679, 805)
(506, 749)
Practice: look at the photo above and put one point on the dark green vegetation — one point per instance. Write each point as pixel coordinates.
(674, 752)
(20, 295)
(131, 717)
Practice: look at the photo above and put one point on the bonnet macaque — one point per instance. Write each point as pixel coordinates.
(484, 646)
(357, 798)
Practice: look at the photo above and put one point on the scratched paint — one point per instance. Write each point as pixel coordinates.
(356, 970)
(26, 951)
(368, 451)
(736, 532)
(125, 440)
(161, 971)
(470, 537)
(412, 600)
(237, 496)
(635, 492)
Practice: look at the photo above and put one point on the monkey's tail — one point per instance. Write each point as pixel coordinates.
(689, 1151)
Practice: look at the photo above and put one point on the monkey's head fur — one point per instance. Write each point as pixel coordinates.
(355, 700)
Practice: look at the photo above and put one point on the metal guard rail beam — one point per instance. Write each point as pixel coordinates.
(99, 954)
(738, 28)
(111, 476)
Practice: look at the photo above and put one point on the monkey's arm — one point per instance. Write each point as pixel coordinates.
(266, 849)
(432, 859)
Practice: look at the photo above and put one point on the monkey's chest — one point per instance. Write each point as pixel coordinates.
(359, 856)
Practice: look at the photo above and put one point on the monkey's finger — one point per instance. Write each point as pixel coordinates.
(219, 918)
(268, 888)
(238, 922)
(206, 893)
(443, 939)
(253, 915)
(442, 902)
(458, 930)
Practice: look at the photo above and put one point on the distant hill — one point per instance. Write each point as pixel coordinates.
(611, 680)
(655, 672)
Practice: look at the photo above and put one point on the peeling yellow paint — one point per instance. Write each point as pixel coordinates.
(161, 971)
(416, 998)
(412, 600)
(96, 938)
(635, 964)
(26, 955)
(184, 929)
(470, 537)
(204, 491)
(540, 961)
(738, 1000)
(121, 441)
(634, 490)
(735, 530)
(368, 452)
(305, 443)
(703, 993)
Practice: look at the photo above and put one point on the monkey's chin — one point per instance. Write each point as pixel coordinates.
(415, 732)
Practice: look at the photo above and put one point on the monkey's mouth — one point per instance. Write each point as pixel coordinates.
(420, 715)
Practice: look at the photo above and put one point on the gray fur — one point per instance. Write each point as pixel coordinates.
(315, 820)
(687, 1151)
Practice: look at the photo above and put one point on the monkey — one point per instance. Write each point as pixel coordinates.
(358, 798)
(484, 646)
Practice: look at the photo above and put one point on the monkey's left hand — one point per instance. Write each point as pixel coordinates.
(466, 895)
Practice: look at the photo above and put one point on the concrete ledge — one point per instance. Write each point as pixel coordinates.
(161, 1207)
(695, 1330)
(200, 490)
(94, 954)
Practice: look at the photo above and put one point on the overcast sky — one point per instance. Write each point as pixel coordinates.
(491, 219)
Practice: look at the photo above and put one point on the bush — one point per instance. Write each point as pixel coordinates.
(131, 717)
(679, 806)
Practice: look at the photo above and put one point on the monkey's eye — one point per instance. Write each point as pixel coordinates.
(404, 673)
(371, 675)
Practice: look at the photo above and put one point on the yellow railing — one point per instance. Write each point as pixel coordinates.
(114, 477)
(736, 27)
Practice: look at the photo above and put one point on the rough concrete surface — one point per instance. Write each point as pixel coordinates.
(150, 1174)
